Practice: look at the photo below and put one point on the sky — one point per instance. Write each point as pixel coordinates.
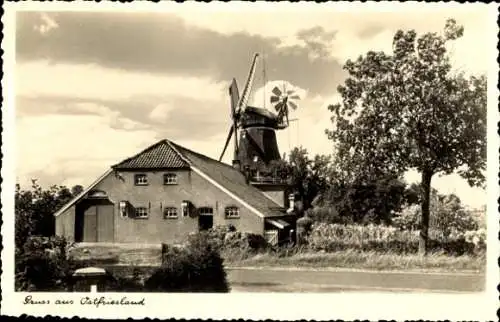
(93, 88)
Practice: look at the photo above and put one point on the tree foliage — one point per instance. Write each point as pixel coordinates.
(410, 110)
(197, 267)
(34, 209)
(308, 176)
(372, 200)
(447, 216)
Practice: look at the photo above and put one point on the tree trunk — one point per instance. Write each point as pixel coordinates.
(424, 223)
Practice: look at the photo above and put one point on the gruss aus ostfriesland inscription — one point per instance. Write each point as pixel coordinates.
(86, 300)
(173, 160)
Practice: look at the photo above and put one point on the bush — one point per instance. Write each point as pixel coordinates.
(116, 283)
(447, 217)
(334, 237)
(328, 214)
(197, 267)
(227, 238)
(42, 265)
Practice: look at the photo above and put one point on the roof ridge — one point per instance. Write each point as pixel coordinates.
(173, 146)
(201, 155)
(141, 152)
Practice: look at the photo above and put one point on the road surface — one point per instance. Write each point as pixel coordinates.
(303, 280)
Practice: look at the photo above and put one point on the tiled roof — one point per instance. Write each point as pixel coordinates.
(233, 180)
(158, 156)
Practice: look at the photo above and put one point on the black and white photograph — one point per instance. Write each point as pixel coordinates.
(343, 151)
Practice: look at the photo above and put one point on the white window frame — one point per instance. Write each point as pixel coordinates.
(185, 208)
(205, 213)
(170, 213)
(232, 212)
(169, 178)
(123, 208)
(142, 212)
(141, 179)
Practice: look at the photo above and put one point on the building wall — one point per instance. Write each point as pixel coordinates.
(277, 193)
(156, 196)
(65, 224)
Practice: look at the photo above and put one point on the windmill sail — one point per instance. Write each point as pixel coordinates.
(248, 86)
(230, 134)
(235, 97)
(238, 106)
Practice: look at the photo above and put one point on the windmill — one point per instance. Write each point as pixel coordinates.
(255, 144)
(283, 100)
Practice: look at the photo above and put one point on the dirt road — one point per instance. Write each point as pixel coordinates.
(293, 280)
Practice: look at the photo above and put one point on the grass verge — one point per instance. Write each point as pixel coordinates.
(363, 260)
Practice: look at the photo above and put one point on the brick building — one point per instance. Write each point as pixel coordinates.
(166, 192)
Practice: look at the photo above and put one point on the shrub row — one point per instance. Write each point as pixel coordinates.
(336, 237)
(226, 237)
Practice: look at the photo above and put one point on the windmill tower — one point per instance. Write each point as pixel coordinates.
(255, 144)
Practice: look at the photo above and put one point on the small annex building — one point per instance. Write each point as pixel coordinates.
(166, 192)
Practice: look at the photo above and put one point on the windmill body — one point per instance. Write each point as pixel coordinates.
(258, 146)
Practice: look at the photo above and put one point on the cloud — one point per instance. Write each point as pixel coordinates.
(446, 184)
(45, 25)
(173, 117)
(48, 105)
(349, 45)
(318, 41)
(197, 107)
(65, 147)
(161, 43)
(160, 112)
(90, 81)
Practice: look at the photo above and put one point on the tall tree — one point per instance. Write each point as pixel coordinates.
(308, 176)
(410, 110)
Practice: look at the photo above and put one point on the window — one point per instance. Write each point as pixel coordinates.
(206, 211)
(123, 209)
(141, 180)
(232, 212)
(185, 208)
(97, 194)
(141, 212)
(170, 212)
(169, 178)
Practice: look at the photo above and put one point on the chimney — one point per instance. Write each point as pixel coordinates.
(237, 164)
(246, 173)
(291, 203)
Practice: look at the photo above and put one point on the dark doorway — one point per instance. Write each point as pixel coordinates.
(205, 222)
(94, 221)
